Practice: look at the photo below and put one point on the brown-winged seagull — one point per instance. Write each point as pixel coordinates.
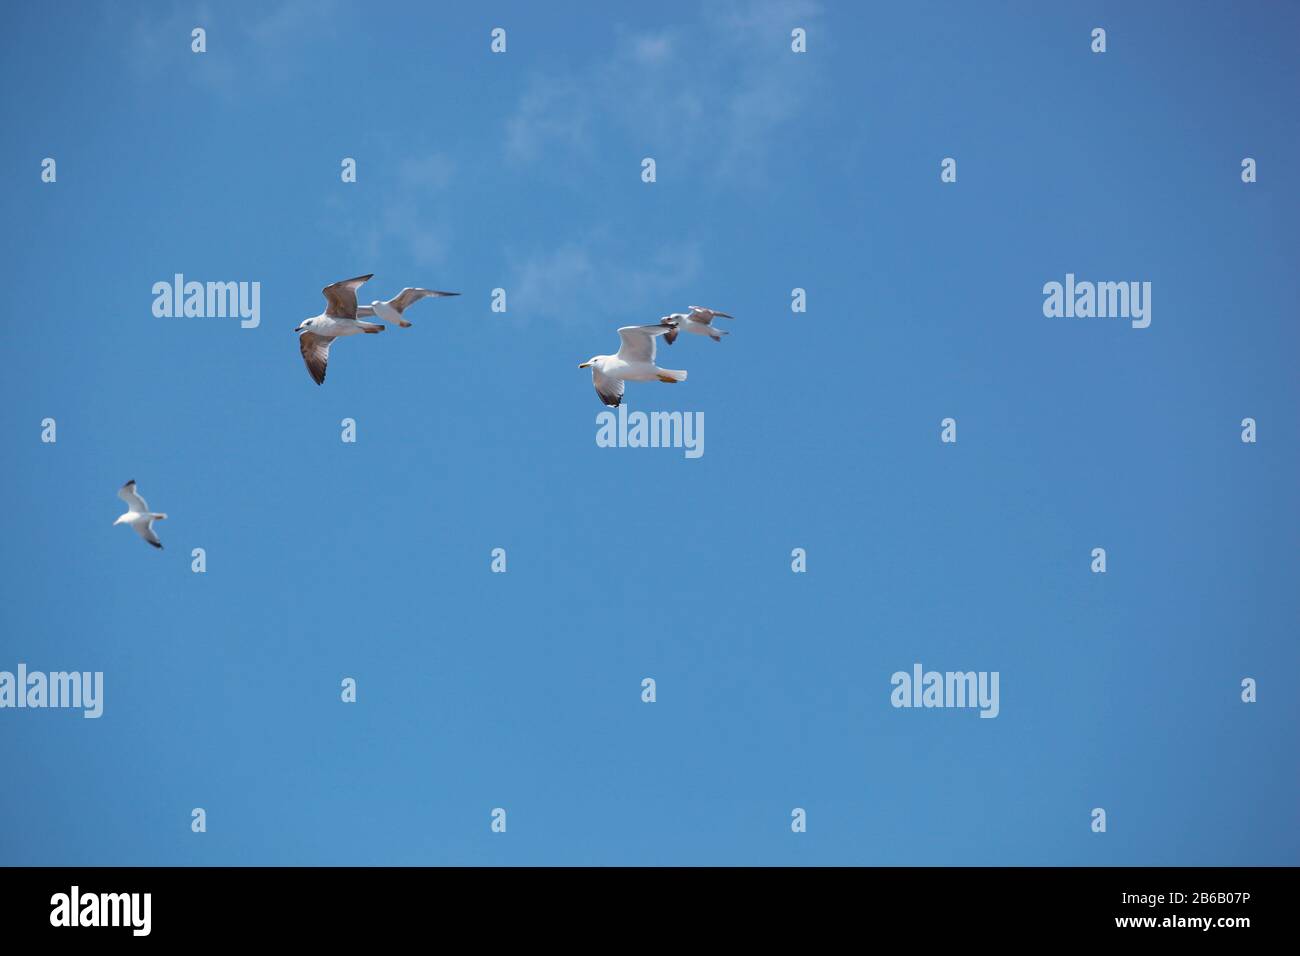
(391, 311)
(697, 320)
(341, 317)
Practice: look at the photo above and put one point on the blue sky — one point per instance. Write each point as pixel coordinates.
(476, 431)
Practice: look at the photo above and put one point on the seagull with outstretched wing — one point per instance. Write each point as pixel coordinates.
(391, 311)
(342, 316)
(699, 321)
(634, 362)
(317, 334)
(138, 515)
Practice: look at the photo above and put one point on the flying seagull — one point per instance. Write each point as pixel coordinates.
(697, 321)
(340, 318)
(635, 362)
(138, 515)
(391, 311)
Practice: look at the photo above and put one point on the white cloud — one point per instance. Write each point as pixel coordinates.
(652, 48)
(582, 280)
(714, 97)
(551, 110)
(404, 220)
(401, 226)
(432, 172)
(267, 44)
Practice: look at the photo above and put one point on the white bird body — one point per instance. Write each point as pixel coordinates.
(634, 362)
(698, 322)
(138, 515)
(391, 311)
(611, 366)
(333, 327)
(388, 314)
(341, 318)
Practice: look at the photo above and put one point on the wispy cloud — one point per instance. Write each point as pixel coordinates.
(551, 110)
(403, 229)
(652, 48)
(289, 21)
(433, 171)
(596, 277)
(246, 47)
(716, 95)
(404, 222)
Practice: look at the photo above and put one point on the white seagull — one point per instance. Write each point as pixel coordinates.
(391, 311)
(138, 515)
(697, 321)
(635, 362)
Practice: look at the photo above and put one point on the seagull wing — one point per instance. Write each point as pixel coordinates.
(341, 297)
(639, 342)
(144, 528)
(133, 501)
(406, 297)
(673, 322)
(316, 353)
(701, 314)
(609, 389)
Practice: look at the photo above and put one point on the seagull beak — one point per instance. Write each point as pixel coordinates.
(585, 365)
